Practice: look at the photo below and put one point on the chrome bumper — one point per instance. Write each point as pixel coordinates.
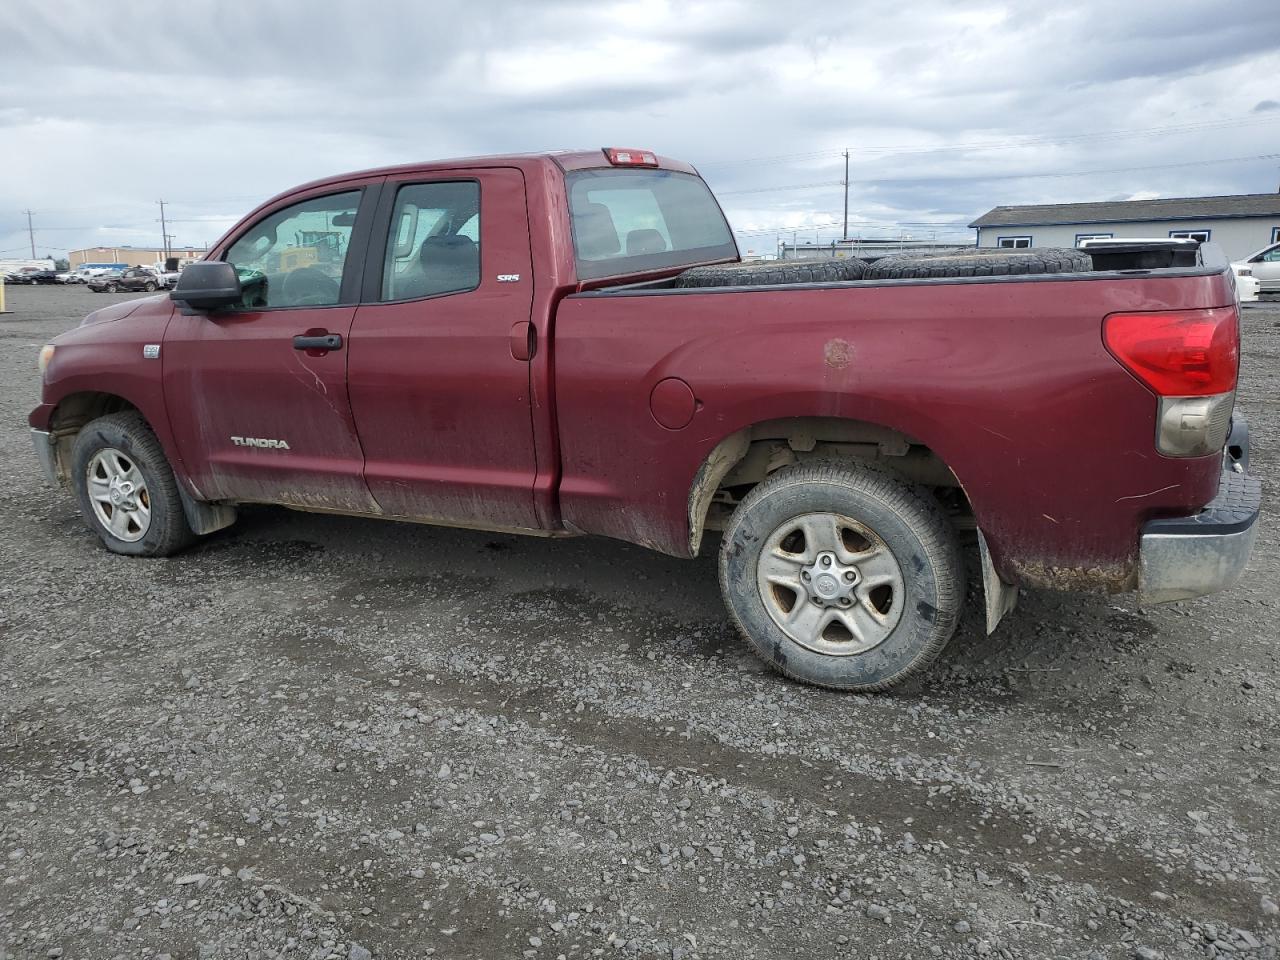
(47, 454)
(1185, 557)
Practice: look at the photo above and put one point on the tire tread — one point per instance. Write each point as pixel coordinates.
(935, 532)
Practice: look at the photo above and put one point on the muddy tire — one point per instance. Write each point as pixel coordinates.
(982, 263)
(773, 272)
(842, 576)
(126, 490)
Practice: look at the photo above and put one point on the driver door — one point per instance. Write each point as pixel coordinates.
(257, 395)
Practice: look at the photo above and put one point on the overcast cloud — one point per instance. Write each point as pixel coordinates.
(948, 108)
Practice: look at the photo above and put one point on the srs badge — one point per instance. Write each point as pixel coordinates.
(260, 442)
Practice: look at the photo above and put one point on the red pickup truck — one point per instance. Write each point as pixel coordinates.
(566, 344)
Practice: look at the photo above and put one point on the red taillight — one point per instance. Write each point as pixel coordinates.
(623, 157)
(1180, 353)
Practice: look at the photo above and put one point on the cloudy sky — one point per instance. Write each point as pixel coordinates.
(947, 108)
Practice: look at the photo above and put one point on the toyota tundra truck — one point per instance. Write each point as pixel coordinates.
(568, 344)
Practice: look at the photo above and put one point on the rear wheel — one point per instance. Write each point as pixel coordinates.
(842, 576)
(126, 489)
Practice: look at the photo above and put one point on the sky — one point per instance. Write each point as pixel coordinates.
(946, 108)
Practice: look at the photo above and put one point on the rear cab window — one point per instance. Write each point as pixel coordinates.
(632, 221)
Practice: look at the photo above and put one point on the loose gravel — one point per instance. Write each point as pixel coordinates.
(318, 737)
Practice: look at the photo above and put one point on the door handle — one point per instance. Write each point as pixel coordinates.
(522, 340)
(323, 342)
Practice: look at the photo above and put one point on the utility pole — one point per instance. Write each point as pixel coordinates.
(845, 235)
(31, 233)
(164, 230)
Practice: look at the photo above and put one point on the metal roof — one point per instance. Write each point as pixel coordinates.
(1127, 211)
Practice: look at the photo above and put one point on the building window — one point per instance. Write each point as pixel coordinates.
(1275, 234)
(1201, 235)
(1081, 237)
(1013, 243)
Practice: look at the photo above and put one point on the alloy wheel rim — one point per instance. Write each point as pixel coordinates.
(119, 495)
(831, 584)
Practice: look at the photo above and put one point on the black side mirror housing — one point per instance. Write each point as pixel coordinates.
(207, 285)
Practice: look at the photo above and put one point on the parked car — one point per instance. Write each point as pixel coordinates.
(68, 276)
(87, 271)
(1247, 286)
(31, 275)
(135, 278)
(1263, 266)
(583, 353)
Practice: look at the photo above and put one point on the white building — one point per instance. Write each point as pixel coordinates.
(1239, 224)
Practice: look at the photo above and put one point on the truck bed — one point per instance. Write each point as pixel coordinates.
(1005, 379)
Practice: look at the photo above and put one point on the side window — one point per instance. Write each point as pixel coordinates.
(433, 246)
(295, 256)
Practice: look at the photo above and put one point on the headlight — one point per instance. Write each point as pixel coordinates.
(46, 355)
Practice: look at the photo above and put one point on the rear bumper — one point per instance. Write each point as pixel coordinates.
(1185, 557)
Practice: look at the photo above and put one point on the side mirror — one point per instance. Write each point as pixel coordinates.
(207, 285)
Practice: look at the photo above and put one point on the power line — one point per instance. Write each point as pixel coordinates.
(1006, 176)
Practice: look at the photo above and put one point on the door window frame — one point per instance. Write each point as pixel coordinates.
(353, 268)
(375, 259)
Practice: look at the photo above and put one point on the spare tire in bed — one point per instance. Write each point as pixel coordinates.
(994, 262)
(813, 270)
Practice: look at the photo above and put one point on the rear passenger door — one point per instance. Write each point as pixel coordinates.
(438, 371)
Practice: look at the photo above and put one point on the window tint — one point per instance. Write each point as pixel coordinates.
(295, 256)
(628, 221)
(433, 246)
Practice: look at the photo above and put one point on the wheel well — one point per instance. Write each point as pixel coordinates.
(744, 458)
(72, 413)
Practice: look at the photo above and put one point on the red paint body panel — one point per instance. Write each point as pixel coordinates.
(429, 412)
(1009, 382)
(106, 356)
(441, 404)
(237, 375)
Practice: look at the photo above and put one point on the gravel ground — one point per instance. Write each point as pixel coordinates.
(323, 737)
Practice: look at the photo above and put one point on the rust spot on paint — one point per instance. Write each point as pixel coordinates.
(838, 354)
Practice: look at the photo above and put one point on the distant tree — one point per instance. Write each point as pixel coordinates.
(61, 264)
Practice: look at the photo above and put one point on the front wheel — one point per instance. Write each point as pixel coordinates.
(149, 287)
(126, 489)
(112, 288)
(842, 576)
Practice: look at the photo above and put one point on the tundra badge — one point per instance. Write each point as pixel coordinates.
(260, 442)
